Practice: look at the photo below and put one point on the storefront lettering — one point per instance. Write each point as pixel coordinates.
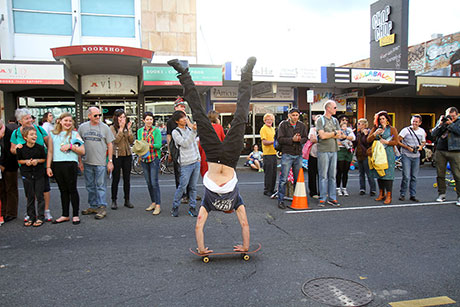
(19, 71)
(446, 50)
(107, 84)
(103, 49)
(374, 75)
(380, 24)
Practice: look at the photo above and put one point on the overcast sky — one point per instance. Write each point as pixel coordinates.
(310, 32)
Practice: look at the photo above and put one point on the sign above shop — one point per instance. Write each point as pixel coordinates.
(101, 49)
(203, 75)
(372, 76)
(231, 93)
(109, 85)
(389, 34)
(31, 74)
(276, 74)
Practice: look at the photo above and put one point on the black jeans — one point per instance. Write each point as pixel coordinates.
(121, 163)
(270, 168)
(342, 173)
(313, 177)
(66, 174)
(34, 187)
(227, 152)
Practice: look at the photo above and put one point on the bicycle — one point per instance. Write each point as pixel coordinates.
(166, 167)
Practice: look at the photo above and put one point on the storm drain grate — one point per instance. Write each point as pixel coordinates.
(337, 292)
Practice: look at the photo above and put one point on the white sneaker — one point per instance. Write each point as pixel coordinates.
(458, 202)
(339, 192)
(345, 192)
(441, 198)
(48, 216)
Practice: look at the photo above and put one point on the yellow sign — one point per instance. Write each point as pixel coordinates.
(387, 40)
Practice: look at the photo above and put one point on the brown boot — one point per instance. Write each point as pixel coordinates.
(387, 198)
(381, 196)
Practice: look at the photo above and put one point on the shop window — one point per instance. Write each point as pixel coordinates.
(392, 117)
(49, 17)
(108, 18)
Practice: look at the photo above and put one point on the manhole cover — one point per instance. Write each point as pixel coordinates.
(337, 292)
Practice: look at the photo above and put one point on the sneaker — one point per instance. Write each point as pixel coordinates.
(345, 192)
(373, 193)
(362, 192)
(261, 170)
(333, 203)
(184, 200)
(101, 213)
(48, 217)
(128, 204)
(441, 198)
(414, 199)
(151, 207)
(26, 218)
(175, 211)
(339, 192)
(89, 211)
(192, 212)
(315, 196)
(321, 203)
(458, 202)
(281, 205)
(178, 66)
(402, 198)
(156, 211)
(114, 205)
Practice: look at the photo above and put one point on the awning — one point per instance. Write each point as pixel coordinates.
(438, 86)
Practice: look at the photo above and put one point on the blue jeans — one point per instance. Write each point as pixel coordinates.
(288, 161)
(363, 172)
(410, 170)
(188, 177)
(151, 171)
(96, 184)
(327, 168)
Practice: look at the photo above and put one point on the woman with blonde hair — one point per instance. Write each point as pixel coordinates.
(65, 145)
(387, 135)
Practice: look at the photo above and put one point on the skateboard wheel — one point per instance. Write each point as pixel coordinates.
(246, 257)
(435, 185)
(205, 259)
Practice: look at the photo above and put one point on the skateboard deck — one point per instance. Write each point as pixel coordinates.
(229, 251)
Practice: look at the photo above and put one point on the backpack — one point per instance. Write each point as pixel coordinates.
(174, 149)
(276, 144)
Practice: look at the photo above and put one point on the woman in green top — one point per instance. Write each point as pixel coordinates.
(151, 161)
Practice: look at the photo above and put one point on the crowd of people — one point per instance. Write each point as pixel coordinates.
(61, 151)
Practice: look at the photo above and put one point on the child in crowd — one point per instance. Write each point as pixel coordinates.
(220, 182)
(345, 142)
(31, 158)
(255, 159)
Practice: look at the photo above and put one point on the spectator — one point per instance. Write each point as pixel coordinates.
(9, 176)
(329, 131)
(361, 148)
(215, 122)
(150, 160)
(25, 118)
(344, 156)
(189, 160)
(292, 135)
(267, 136)
(255, 159)
(412, 140)
(313, 178)
(65, 146)
(32, 157)
(122, 160)
(387, 135)
(95, 165)
(47, 122)
(12, 124)
(447, 134)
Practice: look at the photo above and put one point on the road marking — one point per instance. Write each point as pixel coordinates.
(372, 207)
(432, 301)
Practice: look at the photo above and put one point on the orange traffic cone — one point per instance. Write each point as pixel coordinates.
(300, 202)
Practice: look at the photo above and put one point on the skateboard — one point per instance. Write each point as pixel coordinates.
(229, 251)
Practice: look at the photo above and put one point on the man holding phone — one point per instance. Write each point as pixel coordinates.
(292, 135)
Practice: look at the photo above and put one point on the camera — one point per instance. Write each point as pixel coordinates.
(446, 118)
(415, 149)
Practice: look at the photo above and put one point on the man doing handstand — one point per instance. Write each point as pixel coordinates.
(220, 182)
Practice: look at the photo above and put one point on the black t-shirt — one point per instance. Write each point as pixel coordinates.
(170, 126)
(27, 153)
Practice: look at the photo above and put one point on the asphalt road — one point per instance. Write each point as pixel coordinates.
(132, 258)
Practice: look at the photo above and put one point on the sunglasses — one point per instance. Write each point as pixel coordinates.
(97, 115)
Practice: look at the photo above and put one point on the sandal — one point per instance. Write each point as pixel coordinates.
(28, 223)
(38, 223)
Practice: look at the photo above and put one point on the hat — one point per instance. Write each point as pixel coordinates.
(179, 101)
(141, 148)
(292, 110)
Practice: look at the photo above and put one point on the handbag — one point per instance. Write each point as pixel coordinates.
(422, 152)
(306, 149)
